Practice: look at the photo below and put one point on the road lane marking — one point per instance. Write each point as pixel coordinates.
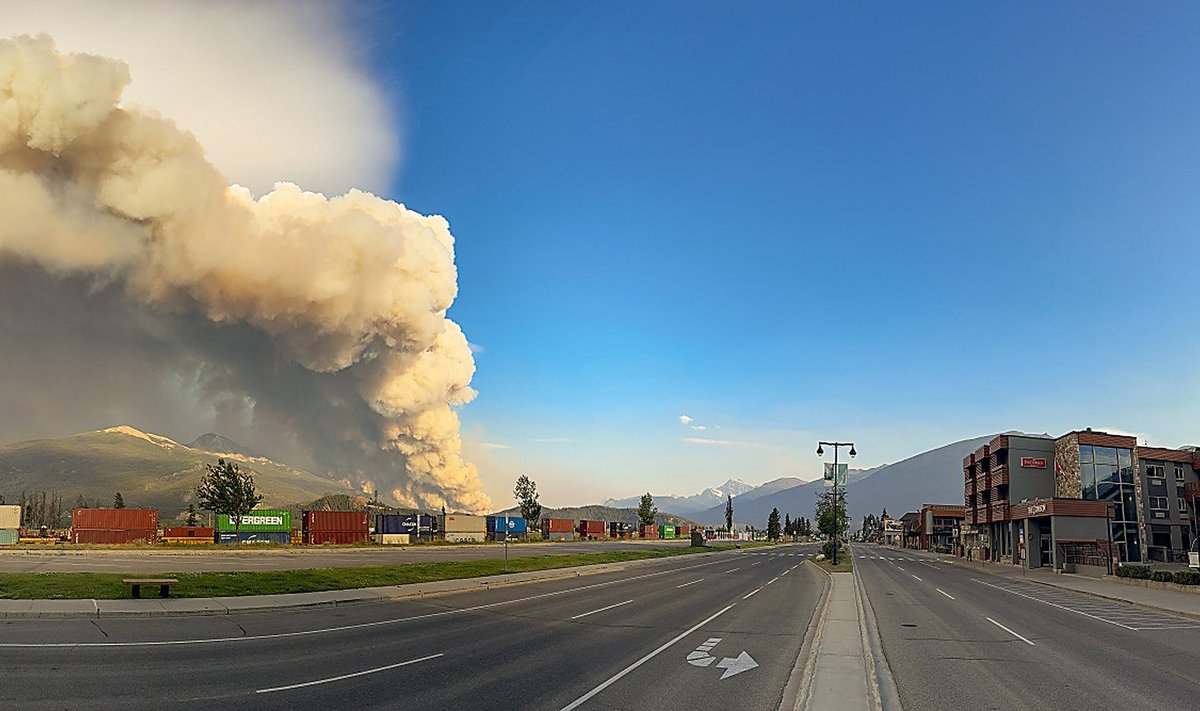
(687, 584)
(1053, 604)
(343, 628)
(1014, 634)
(772, 580)
(785, 572)
(585, 614)
(617, 677)
(756, 562)
(916, 577)
(794, 567)
(752, 593)
(944, 593)
(376, 670)
(732, 569)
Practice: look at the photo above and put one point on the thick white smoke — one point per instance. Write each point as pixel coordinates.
(327, 315)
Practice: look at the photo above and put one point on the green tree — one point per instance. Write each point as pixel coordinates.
(118, 501)
(224, 489)
(647, 510)
(526, 494)
(191, 516)
(787, 524)
(830, 514)
(773, 525)
(729, 513)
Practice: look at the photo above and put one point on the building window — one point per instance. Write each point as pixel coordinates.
(1158, 503)
(1178, 473)
(1107, 474)
(1182, 506)
(1156, 471)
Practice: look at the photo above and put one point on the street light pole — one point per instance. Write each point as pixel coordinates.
(820, 453)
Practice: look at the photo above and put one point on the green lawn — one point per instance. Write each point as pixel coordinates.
(845, 564)
(41, 586)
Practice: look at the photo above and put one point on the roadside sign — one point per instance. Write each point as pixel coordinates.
(840, 478)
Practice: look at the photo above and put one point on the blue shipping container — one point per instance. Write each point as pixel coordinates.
(509, 524)
(252, 537)
(404, 523)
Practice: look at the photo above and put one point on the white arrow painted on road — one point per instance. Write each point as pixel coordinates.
(732, 666)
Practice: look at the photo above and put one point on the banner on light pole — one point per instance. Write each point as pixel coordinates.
(835, 478)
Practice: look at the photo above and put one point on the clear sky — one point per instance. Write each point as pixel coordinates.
(899, 223)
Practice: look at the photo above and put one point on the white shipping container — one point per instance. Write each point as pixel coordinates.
(459, 523)
(466, 536)
(10, 516)
(392, 539)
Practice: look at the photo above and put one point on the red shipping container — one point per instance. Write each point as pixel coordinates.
(682, 531)
(186, 532)
(115, 519)
(593, 529)
(316, 538)
(648, 531)
(558, 525)
(109, 535)
(354, 521)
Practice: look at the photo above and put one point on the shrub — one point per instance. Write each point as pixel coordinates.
(1187, 577)
(827, 549)
(1162, 576)
(1139, 572)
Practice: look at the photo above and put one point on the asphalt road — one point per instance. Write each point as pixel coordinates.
(214, 558)
(616, 640)
(958, 638)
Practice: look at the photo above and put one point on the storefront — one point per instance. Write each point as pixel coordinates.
(1071, 535)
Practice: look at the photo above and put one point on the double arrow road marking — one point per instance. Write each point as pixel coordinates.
(732, 665)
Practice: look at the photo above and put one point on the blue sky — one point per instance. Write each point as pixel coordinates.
(903, 224)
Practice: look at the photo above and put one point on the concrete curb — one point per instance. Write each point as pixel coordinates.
(795, 692)
(804, 687)
(150, 607)
(882, 683)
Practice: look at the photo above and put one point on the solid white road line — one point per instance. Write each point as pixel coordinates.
(944, 593)
(687, 584)
(585, 614)
(916, 577)
(1014, 634)
(732, 569)
(616, 677)
(376, 670)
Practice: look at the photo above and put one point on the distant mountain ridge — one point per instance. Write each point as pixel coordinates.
(149, 470)
(687, 504)
(219, 444)
(930, 477)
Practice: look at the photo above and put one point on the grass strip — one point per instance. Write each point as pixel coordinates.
(845, 565)
(108, 586)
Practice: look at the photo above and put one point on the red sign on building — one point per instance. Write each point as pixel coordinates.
(1033, 462)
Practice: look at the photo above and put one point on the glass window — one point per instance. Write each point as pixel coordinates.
(1178, 473)
(1182, 505)
(1125, 457)
(1127, 511)
(1158, 503)
(1131, 540)
(1104, 455)
(1085, 453)
(1156, 471)
(1106, 473)
(1107, 491)
(1087, 480)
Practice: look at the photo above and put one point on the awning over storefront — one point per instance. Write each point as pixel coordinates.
(1059, 507)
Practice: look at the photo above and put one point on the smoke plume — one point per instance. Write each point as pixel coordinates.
(320, 319)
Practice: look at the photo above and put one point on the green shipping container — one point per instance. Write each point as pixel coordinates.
(9, 536)
(665, 531)
(259, 521)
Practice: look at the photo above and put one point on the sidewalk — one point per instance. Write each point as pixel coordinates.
(151, 607)
(1180, 603)
(838, 675)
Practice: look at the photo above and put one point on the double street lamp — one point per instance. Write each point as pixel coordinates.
(836, 518)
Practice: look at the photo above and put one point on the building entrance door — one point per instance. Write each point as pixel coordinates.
(1045, 551)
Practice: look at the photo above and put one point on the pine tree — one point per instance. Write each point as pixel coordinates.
(787, 524)
(773, 525)
(647, 510)
(118, 501)
(729, 513)
(191, 515)
(526, 494)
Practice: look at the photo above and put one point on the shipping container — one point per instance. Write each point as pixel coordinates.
(404, 523)
(111, 535)
(9, 536)
(557, 536)
(259, 520)
(228, 538)
(683, 532)
(514, 525)
(666, 530)
(592, 529)
(463, 523)
(466, 536)
(336, 538)
(647, 531)
(621, 529)
(339, 521)
(115, 519)
(392, 539)
(10, 517)
(188, 532)
(557, 525)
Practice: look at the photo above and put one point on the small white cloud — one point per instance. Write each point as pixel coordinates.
(685, 420)
(553, 439)
(475, 347)
(493, 445)
(699, 427)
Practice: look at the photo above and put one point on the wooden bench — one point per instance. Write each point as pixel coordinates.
(164, 585)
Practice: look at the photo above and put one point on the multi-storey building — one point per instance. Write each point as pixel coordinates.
(1042, 501)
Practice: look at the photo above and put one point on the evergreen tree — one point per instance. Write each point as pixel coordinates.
(118, 501)
(647, 510)
(787, 524)
(526, 494)
(773, 525)
(729, 513)
(191, 515)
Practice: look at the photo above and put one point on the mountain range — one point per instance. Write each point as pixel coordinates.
(149, 470)
(685, 505)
